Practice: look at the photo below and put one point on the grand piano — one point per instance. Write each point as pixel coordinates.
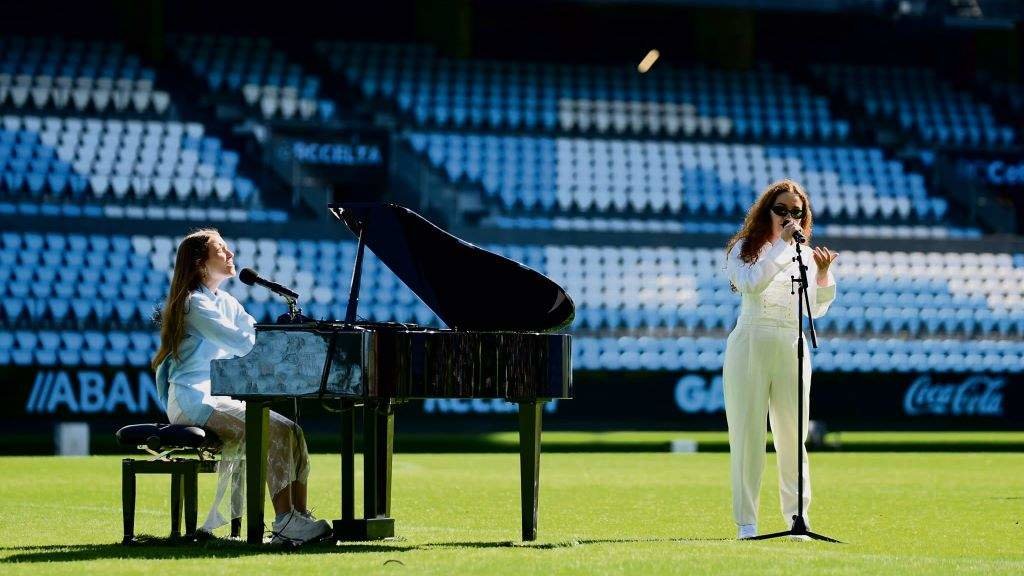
(499, 343)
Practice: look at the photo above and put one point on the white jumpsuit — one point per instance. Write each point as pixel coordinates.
(760, 374)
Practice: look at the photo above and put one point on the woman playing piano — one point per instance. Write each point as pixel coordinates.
(760, 372)
(199, 323)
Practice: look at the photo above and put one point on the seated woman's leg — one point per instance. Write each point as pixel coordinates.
(230, 426)
(227, 426)
(287, 464)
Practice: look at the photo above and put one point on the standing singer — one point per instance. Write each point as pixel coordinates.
(760, 372)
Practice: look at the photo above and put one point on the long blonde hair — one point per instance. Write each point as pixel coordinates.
(189, 270)
(757, 226)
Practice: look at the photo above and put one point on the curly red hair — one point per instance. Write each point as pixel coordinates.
(757, 226)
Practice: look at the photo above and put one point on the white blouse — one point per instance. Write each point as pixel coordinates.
(216, 327)
(766, 287)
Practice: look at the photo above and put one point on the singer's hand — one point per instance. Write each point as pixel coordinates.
(824, 258)
(788, 227)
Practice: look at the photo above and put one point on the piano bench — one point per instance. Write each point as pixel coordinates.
(170, 446)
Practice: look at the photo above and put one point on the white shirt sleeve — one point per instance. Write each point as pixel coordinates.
(243, 319)
(754, 278)
(206, 319)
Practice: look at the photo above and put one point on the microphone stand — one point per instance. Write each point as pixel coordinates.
(294, 313)
(799, 526)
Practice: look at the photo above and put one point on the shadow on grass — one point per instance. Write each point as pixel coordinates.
(152, 548)
(565, 543)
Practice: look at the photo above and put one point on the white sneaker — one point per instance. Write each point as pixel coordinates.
(746, 531)
(297, 529)
(308, 515)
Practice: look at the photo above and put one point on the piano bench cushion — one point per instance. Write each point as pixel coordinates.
(167, 436)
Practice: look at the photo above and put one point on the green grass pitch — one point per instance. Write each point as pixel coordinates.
(627, 513)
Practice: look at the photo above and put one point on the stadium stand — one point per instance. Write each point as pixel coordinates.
(53, 75)
(86, 135)
(921, 102)
(564, 175)
(684, 102)
(81, 299)
(147, 161)
(552, 147)
(266, 79)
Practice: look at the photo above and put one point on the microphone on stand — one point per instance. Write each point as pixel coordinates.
(294, 314)
(250, 277)
(797, 235)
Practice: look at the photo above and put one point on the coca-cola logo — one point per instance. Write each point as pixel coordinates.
(976, 396)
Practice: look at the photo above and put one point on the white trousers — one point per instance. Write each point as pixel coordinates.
(760, 378)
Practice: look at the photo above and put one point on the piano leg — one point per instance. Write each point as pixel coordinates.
(257, 419)
(348, 449)
(378, 435)
(379, 443)
(529, 464)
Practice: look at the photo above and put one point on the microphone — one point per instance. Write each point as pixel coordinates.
(797, 235)
(250, 277)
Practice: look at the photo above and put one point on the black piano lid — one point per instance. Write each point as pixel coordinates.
(468, 287)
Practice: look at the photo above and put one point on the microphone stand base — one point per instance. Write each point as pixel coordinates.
(799, 529)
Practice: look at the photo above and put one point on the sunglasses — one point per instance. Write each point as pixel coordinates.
(782, 212)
